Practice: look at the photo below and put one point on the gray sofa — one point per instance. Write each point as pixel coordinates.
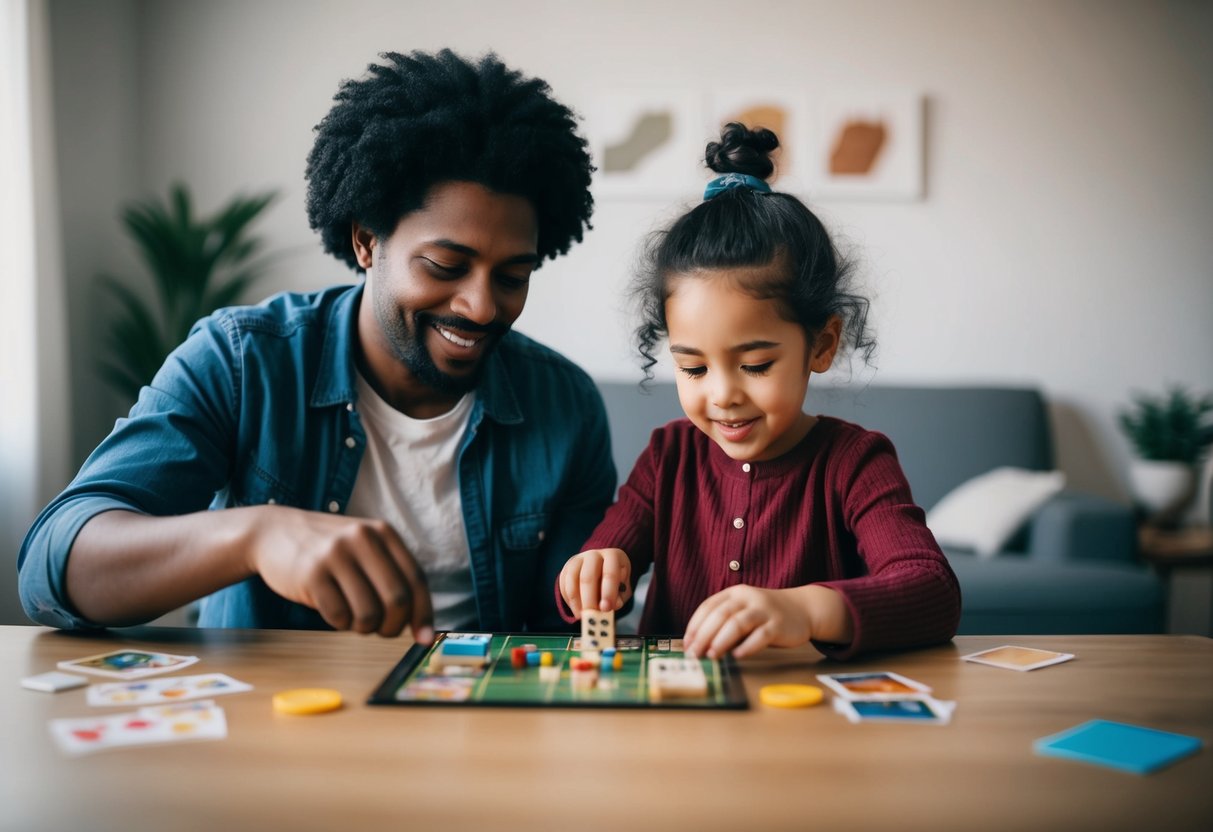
(1072, 569)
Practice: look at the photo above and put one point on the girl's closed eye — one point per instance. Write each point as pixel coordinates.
(757, 369)
(693, 372)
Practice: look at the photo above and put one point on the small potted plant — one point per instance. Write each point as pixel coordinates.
(1169, 434)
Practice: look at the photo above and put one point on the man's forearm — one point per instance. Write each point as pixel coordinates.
(127, 568)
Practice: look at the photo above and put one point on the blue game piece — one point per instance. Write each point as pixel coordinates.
(1118, 745)
(607, 663)
(608, 652)
(532, 658)
(473, 646)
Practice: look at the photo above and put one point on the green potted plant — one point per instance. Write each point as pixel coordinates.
(1170, 434)
(197, 265)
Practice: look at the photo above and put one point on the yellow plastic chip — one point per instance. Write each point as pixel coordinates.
(307, 701)
(790, 696)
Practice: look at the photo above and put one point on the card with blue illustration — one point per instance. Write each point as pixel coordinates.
(129, 664)
(916, 709)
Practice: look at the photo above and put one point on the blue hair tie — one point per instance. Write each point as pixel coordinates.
(734, 180)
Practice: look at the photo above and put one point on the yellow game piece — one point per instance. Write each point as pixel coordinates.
(790, 696)
(307, 701)
(545, 659)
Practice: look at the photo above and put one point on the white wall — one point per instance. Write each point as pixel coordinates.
(1064, 240)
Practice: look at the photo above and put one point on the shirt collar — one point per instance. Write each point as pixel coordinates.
(336, 384)
(729, 468)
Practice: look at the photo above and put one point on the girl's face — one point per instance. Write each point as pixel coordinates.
(742, 370)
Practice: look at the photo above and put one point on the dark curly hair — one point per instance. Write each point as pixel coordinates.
(421, 119)
(744, 227)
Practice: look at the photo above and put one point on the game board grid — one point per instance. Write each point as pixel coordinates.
(494, 687)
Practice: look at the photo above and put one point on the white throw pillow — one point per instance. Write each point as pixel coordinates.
(983, 513)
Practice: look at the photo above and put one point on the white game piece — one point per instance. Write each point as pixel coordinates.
(676, 678)
(597, 630)
(53, 682)
(584, 679)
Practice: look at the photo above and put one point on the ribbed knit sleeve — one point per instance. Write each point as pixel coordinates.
(628, 524)
(909, 595)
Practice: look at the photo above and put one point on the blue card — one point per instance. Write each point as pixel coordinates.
(1118, 745)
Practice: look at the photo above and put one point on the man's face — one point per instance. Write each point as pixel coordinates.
(444, 288)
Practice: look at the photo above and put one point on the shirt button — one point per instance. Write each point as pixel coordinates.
(271, 501)
(745, 466)
(735, 566)
(349, 406)
(542, 534)
(349, 442)
(334, 507)
(738, 523)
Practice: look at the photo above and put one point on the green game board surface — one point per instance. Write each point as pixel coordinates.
(500, 684)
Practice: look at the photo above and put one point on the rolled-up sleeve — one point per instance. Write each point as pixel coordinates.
(169, 456)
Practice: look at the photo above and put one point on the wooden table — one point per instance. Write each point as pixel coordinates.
(1185, 558)
(385, 768)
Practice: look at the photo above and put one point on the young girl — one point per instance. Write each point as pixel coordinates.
(764, 525)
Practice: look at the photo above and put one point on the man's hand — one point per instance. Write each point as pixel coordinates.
(354, 571)
(599, 579)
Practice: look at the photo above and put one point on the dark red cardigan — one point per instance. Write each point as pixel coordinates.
(835, 510)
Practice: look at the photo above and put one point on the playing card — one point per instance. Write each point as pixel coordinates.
(129, 664)
(1017, 658)
(171, 689)
(159, 724)
(53, 682)
(875, 686)
(918, 709)
(437, 689)
(1134, 748)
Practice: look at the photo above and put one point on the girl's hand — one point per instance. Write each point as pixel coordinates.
(745, 619)
(599, 579)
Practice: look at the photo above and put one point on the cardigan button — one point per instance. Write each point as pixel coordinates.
(350, 442)
(334, 507)
(738, 523)
(735, 566)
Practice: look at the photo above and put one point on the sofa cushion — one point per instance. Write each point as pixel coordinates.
(983, 513)
(1018, 595)
(945, 436)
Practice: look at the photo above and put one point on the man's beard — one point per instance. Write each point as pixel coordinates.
(408, 344)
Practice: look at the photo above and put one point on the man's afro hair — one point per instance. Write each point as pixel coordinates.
(421, 119)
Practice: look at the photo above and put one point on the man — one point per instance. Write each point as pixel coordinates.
(385, 455)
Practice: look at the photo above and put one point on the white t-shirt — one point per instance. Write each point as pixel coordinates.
(408, 479)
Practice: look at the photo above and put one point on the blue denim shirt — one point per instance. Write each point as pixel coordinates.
(259, 406)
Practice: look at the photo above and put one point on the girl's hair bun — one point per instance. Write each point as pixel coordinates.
(742, 150)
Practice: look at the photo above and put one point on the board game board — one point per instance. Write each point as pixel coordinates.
(499, 683)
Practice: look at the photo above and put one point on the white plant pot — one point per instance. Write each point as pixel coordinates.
(1163, 489)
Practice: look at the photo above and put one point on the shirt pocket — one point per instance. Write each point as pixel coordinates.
(524, 533)
(258, 487)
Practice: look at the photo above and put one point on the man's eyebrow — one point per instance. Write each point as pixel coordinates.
(746, 347)
(460, 248)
